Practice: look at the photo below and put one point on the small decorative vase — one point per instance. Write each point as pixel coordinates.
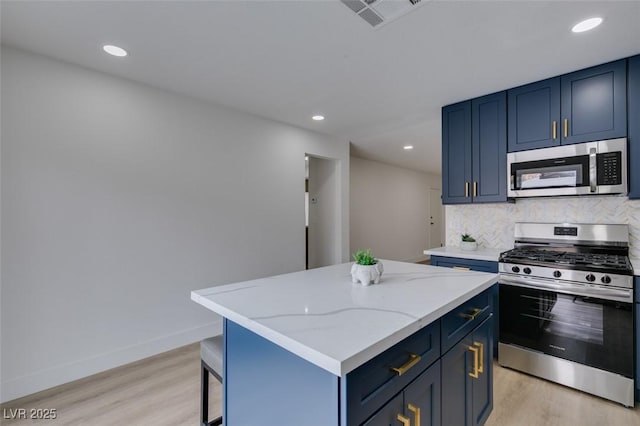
(366, 274)
(468, 245)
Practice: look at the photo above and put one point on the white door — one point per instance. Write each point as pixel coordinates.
(436, 219)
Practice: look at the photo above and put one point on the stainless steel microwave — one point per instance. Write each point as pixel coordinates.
(590, 168)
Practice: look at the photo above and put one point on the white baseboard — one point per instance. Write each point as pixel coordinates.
(50, 377)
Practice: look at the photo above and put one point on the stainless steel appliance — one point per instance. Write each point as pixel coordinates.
(581, 169)
(566, 307)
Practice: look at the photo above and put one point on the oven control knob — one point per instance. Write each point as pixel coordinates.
(515, 269)
(527, 270)
(591, 278)
(557, 274)
(606, 279)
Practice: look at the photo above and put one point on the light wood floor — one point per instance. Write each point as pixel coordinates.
(165, 390)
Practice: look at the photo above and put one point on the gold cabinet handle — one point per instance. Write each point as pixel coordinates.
(475, 312)
(413, 360)
(466, 189)
(416, 413)
(475, 372)
(405, 420)
(461, 268)
(475, 188)
(481, 349)
(566, 128)
(555, 129)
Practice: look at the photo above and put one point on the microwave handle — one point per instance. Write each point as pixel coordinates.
(593, 175)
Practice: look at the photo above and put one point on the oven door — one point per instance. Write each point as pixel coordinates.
(587, 330)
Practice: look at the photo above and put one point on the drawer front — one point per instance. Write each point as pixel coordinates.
(372, 384)
(472, 264)
(460, 321)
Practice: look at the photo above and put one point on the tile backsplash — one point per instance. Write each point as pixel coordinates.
(493, 224)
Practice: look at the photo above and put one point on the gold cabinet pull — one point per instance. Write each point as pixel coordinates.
(413, 360)
(461, 268)
(406, 421)
(475, 188)
(416, 413)
(555, 129)
(466, 189)
(475, 372)
(566, 128)
(481, 349)
(475, 312)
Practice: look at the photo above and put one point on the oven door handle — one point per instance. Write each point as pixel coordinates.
(621, 295)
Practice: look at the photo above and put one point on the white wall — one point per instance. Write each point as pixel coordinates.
(118, 199)
(493, 224)
(389, 209)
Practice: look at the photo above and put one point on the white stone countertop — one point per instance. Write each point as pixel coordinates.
(482, 253)
(322, 317)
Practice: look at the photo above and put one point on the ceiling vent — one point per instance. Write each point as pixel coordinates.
(380, 12)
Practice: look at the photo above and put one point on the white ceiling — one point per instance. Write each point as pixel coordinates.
(287, 60)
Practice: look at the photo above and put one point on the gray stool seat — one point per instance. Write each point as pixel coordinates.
(211, 354)
(212, 362)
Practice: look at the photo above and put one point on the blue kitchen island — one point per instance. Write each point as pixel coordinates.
(311, 348)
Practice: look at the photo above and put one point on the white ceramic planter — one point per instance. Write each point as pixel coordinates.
(468, 245)
(366, 274)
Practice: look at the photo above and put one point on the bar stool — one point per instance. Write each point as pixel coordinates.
(211, 360)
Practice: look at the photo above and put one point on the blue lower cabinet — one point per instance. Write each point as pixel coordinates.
(419, 404)
(467, 393)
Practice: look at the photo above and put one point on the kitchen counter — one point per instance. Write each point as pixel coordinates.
(482, 253)
(320, 316)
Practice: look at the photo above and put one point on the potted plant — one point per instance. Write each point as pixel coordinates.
(468, 242)
(366, 269)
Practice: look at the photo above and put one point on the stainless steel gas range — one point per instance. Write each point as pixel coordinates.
(566, 307)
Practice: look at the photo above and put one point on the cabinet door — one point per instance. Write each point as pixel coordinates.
(482, 387)
(422, 398)
(456, 153)
(534, 115)
(456, 384)
(467, 393)
(388, 414)
(634, 128)
(489, 148)
(593, 103)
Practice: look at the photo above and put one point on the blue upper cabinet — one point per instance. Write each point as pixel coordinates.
(489, 148)
(474, 150)
(583, 106)
(634, 129)
(456, 153)
(594, 103)
(534, 114)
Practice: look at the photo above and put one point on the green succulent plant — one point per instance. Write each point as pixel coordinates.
(364, 257)
(468, 238)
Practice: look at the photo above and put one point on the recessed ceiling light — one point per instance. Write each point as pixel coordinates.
(318, 117)
(407, 147)
(114, 50)
(586, 25)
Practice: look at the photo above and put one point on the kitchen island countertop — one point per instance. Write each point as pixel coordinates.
(322, 317)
